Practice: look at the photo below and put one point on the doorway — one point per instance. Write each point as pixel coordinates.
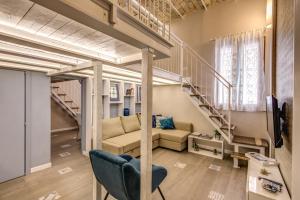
(66, 118)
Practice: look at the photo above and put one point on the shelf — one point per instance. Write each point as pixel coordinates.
(207, 153)
(116, 102)
(207, 139)
(204, 148)
(138, 102)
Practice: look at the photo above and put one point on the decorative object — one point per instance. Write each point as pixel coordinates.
(265, 172)
(206, 146)
(138, 93)
(129, 92)
(126, 111)
(153, 121)
(217, 135)
(167, 123)
(114, 91)
(215, 152)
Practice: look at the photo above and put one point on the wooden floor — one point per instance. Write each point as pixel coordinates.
(193, 182)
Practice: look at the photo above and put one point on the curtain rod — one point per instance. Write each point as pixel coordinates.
(239, 33)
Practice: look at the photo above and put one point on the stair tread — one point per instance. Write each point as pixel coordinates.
(204, 105)
(54, 86)
(226, 127)
(238, 155)
(216, 116)
(188, 85)
(250, 141)
(75, 107)
(68, 100)
(61, 94)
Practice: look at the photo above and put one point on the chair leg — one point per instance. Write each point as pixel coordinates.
(106, 195)
(161, 194)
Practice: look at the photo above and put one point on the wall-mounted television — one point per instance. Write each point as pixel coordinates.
(273, 121)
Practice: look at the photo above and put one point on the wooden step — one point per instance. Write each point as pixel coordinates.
(204, 106)
(189, 86)
(195, 95)
(216, 116)
(62, 94)
(54, 87)
(75, 107)
(250, 141)
(225, 127)
(69, 101)
(240, 156)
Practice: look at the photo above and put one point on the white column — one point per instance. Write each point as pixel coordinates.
(88, 113)
(146, 141)
(97, 120)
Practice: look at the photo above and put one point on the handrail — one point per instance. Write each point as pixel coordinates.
(209, 65)
(203, 80)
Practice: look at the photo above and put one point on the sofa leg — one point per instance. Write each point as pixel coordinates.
(106, 195)
(161, 194)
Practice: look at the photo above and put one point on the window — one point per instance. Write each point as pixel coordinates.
(114, 91)
(239, 59)
(250, 80)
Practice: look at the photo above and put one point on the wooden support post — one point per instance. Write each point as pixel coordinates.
(146, 141)
(97, 120)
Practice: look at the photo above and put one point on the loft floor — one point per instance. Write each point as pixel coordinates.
(193, 182)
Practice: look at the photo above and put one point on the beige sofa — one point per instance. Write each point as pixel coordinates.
(122, 135)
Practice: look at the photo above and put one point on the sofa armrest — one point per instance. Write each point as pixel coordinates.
(183, 126)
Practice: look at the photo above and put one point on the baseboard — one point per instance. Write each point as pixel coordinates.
(64, 129)
(41, 167)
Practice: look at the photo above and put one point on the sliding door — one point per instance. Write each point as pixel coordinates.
(12, 120)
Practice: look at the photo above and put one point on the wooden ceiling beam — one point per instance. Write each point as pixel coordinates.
(83, 66)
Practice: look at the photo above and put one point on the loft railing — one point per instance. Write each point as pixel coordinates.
(211, 87)
(155, 14)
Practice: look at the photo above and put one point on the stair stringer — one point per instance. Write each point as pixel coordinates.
(206, 116)
(66, 107)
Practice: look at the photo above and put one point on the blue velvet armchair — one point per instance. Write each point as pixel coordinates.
(120, 175)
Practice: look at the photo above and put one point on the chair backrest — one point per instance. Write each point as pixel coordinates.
(108, 169)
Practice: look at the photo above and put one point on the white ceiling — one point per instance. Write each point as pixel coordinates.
(26, 16)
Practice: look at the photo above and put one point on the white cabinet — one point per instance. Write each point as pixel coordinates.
(254, 190)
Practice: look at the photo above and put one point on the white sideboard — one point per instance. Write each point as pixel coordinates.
(254, 190)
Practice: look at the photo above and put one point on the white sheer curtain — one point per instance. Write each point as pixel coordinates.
(240, 60)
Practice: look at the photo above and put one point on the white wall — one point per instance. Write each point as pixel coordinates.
(296, 107)
(171, 100)
(198, 28)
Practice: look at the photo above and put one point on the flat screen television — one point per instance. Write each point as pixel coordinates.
(273, 121)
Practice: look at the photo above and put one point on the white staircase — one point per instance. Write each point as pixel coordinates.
(65, 101)
(201, 82)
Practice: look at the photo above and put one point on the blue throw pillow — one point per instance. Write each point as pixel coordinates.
(167, 123)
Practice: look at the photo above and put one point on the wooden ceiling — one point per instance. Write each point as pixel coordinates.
(183, 7)
(24, 15)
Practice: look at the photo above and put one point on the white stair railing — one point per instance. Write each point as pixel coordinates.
(154, 14)
(204, 81)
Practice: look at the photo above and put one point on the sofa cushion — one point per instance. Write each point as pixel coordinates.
(130, 123)
(167, 123)
(112, 127)
(183, 126)
(131, 140)
(174, 135)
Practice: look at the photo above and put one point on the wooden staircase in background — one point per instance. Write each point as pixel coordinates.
(65, 102)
